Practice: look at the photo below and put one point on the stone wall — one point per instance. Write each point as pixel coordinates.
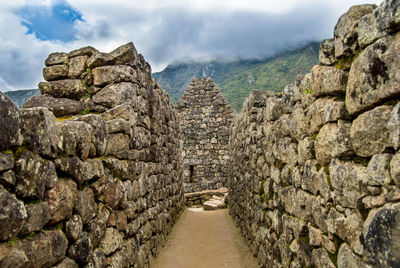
(315, 171)
(205, 118)
(90, 172)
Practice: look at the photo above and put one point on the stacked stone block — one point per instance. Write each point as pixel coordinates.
(205, 118)
(315, 170)
(90, 172)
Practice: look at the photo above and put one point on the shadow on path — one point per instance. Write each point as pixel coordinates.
(205, 239)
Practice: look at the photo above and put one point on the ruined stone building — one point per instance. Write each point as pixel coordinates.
(93, 172)
(205, 118)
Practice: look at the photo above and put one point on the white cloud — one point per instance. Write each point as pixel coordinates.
(165, 30)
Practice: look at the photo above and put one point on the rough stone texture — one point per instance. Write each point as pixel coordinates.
(81, 250)
(33, 175)
(206, 117)
(55, 72)
(108, 184)
(45, 248)
(346, 29)
(56, 58)
(12, 215)
(113, 74)
(395, 168)
(116, 94)
(67, 88)
(336, 204)
(59, 106)
(61, 199)
(77, 66)
(40, 131)
(6, 161)
(378, 169)
(76, 138)
(328, 80)
(121, 55)
(381, 236)
(9, 123)
(38, 216)
(368, 31)
(373, 77)
(67, 263)
(387, 16)
(394, 126)
(369, 132)
(73, 227)
(112, 241)
(323, 111)
(327, 52)
(346, 258)
(333, 140)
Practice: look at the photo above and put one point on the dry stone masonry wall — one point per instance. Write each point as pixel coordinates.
(90, 172)
(315, 171)
(205, 118)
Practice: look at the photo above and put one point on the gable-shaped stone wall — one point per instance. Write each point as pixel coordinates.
(90, 172)
(315, 171)
(205, 118)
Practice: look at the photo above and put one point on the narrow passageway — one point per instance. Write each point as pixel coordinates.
(205, 239)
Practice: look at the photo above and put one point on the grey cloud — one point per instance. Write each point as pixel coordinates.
(239, 34)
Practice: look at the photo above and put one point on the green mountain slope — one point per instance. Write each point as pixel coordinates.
(19, 97)
(236, 78)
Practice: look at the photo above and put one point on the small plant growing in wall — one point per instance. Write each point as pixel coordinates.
(85, 111)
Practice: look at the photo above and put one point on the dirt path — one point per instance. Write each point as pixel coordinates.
(205, 239)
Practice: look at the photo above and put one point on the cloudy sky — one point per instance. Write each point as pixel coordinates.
(162, 30)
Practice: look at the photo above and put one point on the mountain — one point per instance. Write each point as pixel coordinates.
(236, 78)
(19, 97)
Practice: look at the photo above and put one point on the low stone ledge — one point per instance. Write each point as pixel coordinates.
(198, 198)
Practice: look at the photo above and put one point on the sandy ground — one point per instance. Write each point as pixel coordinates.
(205, 239)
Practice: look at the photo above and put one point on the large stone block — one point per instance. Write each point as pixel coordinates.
(77, 66)
(38, 216)
(33, 175)
(116, 94)
(85, 205)
(346, 178)
(12, 215)
(122, 55)
(333, 140)
(373, 76)
(55, 72)
(61, 199)
(368, 31)
(327, 52)
(388, 16)
(328, 80)
(56, 58)
(80, 171)
(113, 74)
(45, 248)
(59, 106)
(98, 133)
(40, 131)
(369, 132)
(6, 161)
(76, 138)
(381, 235)
(9, 123)
(346, 29)
(378, 170)
(323, 111)
(67, 88)
(118, 145)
